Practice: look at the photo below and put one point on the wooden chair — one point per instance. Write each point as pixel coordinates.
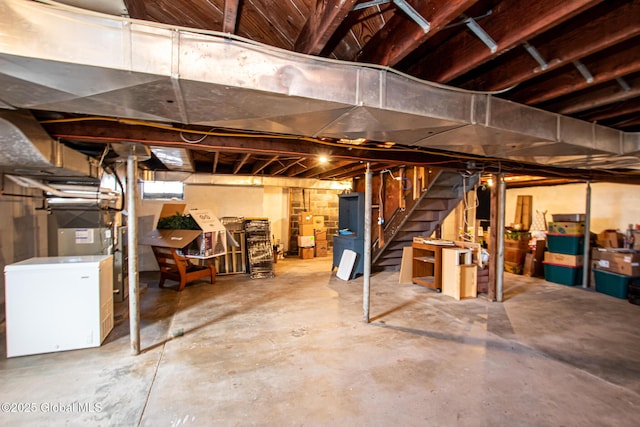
(180, 269)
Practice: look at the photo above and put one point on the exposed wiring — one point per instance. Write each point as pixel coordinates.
(488, 162)
(189, 141)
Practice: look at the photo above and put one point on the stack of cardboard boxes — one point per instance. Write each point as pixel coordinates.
(312, 238)
(320, 234)
(306, 238)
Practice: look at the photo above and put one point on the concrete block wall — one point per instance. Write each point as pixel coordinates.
(320, 202)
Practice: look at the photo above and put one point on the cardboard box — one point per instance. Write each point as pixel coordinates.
(318, 222)
(306, 253)
(321, 248)
(306, 241)
(620, 261)
(515, 255)
(516, 244)
(610, 239)
(320, 234)
(306, 229)
(208, 242)
(566, 227)
(564, 259)
(306, 218)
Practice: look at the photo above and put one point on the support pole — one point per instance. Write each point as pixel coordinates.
(502, 199)
(587, 238)
(367, 242)
(132, 240)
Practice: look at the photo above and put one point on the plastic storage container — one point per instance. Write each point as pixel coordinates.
(562, 274)
(613, 284)
(565, 243)
(633, 293)
(569, 217)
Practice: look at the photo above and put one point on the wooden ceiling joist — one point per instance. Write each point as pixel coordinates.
(230, 16)
(321, 24)
(603, 95)
(216, 158)
(624, 108)
(239, 163)
(283, 166)
(260, 166)
(401, 35)
(510, 25)
(584, 37)
(568, 80)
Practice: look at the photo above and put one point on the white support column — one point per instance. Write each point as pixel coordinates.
(367, 243)
(132, 239)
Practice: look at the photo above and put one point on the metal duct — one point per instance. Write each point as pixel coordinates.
(26, 149)
(72, 195)
(49, 61)
(175, 159)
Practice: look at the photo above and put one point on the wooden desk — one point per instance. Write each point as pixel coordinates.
(427, 265)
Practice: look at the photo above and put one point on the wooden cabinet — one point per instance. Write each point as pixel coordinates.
(459, 274)
(427, 265)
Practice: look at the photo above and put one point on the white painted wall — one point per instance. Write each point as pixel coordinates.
(276, 208)
(612, 205)
(262, 202)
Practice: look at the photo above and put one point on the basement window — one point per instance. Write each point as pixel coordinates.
(162, 190)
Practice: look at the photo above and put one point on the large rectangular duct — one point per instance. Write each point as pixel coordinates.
(149, 71)
(26, 149)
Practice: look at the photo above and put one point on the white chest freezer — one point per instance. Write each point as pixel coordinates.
(58, 303)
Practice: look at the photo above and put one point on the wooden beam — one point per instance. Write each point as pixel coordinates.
(216, 159)
(628, 123)
(109, 131)
(324, 168)
(230, 16)
(259, 166)
(603, 95)
(322, 23)
(300, 167)
(238, 165)
(344, 171)
(510, 24)
(599, 29)
(401, 35)
(566, 81)
(631, 106)
(283, 166)
(136, 9)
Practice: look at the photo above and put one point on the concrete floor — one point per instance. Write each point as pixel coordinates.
(294, 351)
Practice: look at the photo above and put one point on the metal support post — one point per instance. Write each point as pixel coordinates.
(502, 199)
(132, 236)
(587, 236)
(367, 243)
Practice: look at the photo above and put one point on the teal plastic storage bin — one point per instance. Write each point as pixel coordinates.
(562, 274)
(613, 284)
(567, 244)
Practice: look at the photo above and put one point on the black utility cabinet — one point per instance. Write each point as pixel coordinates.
(350, 217)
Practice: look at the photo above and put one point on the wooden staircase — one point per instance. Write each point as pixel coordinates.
(421, 217)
